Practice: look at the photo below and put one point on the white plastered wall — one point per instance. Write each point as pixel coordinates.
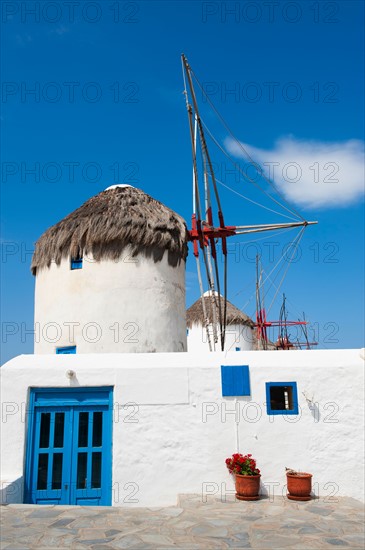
(125, 306)
(240, 336)
(172, 428)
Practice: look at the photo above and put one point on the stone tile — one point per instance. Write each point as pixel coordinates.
(91, 534)
(242, 536)
(44, 514)
(337, 542)
(62, 522)
(320, 511)
(49, 541)
(292, 525)
(205, 529)
(112, 532)
(172, 512)
(156, 539)
(353, 526)
(310, 544)
(330, 527)
(279, 541)
(83, 523)
(13, 546)
(126, 530)
(206, 543)
(62, 531)
(78, 511)
(309, 530)
(181, 524)
(90, 542)
(239, 544)
(188, 546)
(129, 541)
(265, 526)
(355, 540)
(352, 503)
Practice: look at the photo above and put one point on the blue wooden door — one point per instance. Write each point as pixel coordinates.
(51, 460)
(69, 447)
(91, 424)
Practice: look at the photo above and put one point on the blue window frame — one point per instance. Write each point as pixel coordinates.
(282, 398)
(235, 380)
(76, 262)
(66, 350)
(69, 446)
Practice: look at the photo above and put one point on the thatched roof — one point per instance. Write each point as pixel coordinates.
(194, 315)
(110, 221)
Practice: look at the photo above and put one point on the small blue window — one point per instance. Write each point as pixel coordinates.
(66, 350)
(282, 398)
(238, 349)
(235, 381)
(76, 262)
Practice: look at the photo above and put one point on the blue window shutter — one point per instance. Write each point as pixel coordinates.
(235, 380)
(66, 350)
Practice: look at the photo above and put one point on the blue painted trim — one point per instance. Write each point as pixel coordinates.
(66, 350)
(28, 448)
(295, 409)
(235, 380)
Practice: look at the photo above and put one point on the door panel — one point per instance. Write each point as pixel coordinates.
(88, 450)
(51, 456)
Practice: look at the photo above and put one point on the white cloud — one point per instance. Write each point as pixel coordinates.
(312, 174)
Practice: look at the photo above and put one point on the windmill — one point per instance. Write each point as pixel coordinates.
(208, 223)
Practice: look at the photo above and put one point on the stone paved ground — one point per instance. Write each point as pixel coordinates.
(264, 524)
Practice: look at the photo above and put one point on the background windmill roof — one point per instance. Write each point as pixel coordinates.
(194, 315)
(107, 223)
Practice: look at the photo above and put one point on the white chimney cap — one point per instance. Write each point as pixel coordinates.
(118, 185)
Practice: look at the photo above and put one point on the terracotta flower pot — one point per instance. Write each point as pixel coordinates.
(299, 486)
(247, 487)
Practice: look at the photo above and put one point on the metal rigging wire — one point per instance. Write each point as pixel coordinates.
(268, 180)
(256, 203)
(247, 177)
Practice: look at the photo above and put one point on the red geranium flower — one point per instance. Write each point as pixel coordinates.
(242, 464)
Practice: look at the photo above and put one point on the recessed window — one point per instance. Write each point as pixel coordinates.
(66, 350)
(76, 261)
(281, 398)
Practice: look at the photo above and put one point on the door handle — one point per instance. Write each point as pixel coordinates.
(66, 487)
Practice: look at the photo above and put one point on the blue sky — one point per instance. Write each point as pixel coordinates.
(107, 107)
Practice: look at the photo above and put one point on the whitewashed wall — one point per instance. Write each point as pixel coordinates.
(240, 336)
(130, 305)
(173, 430)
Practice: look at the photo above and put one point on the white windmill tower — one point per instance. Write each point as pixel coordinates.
(110, 277)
